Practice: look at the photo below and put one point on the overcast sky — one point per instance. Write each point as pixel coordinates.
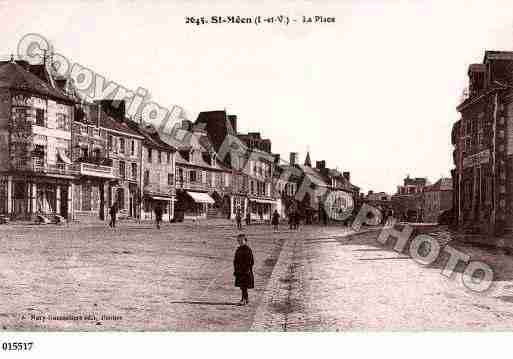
(374, 93)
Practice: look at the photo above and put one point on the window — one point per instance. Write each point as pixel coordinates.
(168, 157)
(180, 174)
(109, 142)
(170, 179)
(122, 173)
(149, 155)
(192, 176)
(160, 156)
(40, 117)
(62, 122)
(134, 170)
(86, 197)
(121, 145)
(132, 148)
(146, 177)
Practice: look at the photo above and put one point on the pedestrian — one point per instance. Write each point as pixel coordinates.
(238, 219)
(296, 220)
(248, 218)
(275, 220)
(113, 212)
(243, 268)
(158, 215)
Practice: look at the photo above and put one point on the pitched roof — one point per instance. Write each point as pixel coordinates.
(14, 76)
(110, 123)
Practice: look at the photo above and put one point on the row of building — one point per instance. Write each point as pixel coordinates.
(416, 200)
(63, 156)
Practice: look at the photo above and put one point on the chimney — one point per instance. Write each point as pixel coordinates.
(347, 175)
(320, 165)
(114, 108)
(476, 77)
(233, 122)
(293, 158)
(276, 158)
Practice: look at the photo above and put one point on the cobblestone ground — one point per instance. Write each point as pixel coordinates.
(181, 278)
(349, 281)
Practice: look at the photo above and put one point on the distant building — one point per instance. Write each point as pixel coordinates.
(407, 203)
(437, 199)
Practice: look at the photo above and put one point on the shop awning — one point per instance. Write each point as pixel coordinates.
(200, 197)
(161, 198)
(63, 157)
(262, 200)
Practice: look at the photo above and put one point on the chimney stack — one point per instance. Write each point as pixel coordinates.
(233, 122)
(320, 165)
(347, 176)
(293, 158)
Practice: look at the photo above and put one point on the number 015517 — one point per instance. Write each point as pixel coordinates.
(19, 346)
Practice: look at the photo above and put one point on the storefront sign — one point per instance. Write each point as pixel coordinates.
(477, 159)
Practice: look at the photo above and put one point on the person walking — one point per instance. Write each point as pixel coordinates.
(275, 221)
(238, 219)
(113, 212)
(158, 215)
(248, 217)
(243, 268)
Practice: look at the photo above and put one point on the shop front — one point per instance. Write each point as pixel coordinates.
(193, 205)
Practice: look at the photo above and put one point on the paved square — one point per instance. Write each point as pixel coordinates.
(135, 277)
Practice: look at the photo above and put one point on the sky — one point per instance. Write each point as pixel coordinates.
(374, 93)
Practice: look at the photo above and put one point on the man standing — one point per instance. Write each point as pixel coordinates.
(112, 212)
(275, 220)
(158, 215)
(238, 219)
(243, 268)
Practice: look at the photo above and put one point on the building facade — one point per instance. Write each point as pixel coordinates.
(251, 162)
(437, 199)
(36, 172)
(483, 148)
(158, 176)
(407, 203)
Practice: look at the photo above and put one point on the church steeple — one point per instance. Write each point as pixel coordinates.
(307, 160)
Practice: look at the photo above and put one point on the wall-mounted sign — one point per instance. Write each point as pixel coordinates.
(476, 159)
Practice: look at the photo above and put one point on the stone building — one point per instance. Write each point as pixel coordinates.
(483, 148)
(36, 172)
(202, 182)
(407, 203)
(158, 160)
(110, 168)
(437, 199)
(251, 162)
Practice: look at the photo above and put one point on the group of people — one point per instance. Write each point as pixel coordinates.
(275, 220)
(113, 212)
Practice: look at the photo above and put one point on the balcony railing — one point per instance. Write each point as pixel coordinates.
(38, 165)
(103, 161)
(93, 170)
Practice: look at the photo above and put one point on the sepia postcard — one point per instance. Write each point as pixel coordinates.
(292, 166)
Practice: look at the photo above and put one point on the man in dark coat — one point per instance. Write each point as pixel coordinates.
(238, 219)
(243, 268)
(112, 212)
(275, 221)
(158, 215)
